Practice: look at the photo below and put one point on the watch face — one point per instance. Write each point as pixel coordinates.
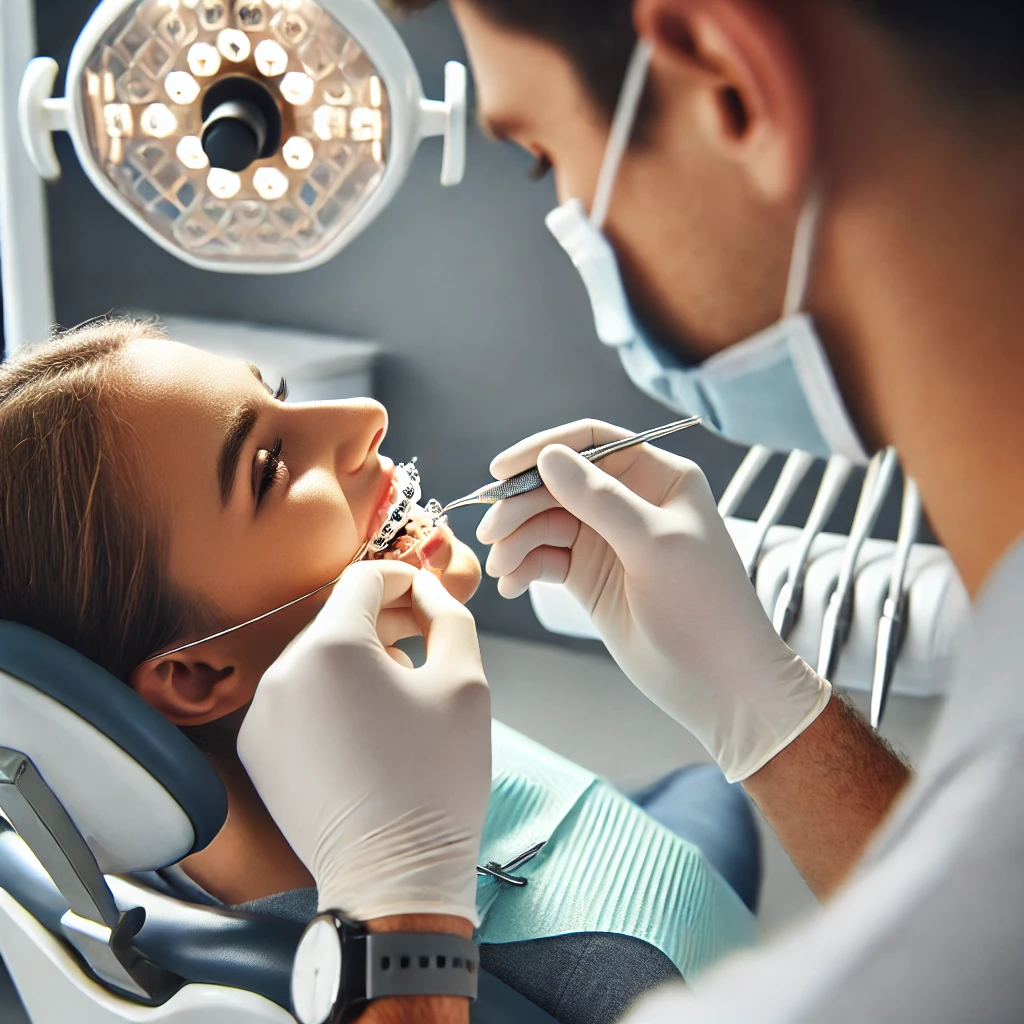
(316, 975)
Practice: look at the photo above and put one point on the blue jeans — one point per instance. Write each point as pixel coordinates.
(697, 804)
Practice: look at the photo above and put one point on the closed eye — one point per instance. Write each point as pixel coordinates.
(265, 469)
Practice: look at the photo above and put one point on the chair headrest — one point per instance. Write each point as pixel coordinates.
(141, 794)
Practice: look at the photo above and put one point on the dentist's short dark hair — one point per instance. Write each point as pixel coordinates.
(597, 35)
(966, 47)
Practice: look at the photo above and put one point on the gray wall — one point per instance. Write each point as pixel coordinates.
(485, 324)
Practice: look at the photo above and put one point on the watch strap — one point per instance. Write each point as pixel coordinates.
(421, 964)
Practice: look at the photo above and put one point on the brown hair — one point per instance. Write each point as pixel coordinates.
(81, 557)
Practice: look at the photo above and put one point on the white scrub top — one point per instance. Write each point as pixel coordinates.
(931, 927)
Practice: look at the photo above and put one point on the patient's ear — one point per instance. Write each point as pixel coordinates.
(193, 690)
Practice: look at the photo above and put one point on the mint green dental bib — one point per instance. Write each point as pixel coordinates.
(607, 866)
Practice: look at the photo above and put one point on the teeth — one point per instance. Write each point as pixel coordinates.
(407, 485)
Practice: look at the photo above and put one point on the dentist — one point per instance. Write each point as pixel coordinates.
(802, 220)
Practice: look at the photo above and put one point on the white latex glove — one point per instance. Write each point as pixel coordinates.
(639, 542)
(377, 773)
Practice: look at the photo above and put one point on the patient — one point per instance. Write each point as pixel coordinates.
(153, 494)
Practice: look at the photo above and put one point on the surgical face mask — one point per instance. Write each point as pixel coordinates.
(775, 388)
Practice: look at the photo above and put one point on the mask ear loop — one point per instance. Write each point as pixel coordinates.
(622, 129)
(804, 241)
(619, 137)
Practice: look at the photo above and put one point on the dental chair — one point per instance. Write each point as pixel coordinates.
(97, 791)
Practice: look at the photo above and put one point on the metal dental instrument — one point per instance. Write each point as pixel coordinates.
(787, 607)
(743, 479)
(502, 872)
(894, 611)
(529, 479)
(836, 624)
(793, 472)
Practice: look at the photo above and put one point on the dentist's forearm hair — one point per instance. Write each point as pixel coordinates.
(826, 794)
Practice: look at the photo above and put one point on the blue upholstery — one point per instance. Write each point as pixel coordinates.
(124, 717)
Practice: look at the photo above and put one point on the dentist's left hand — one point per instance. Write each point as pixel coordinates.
(378, 774)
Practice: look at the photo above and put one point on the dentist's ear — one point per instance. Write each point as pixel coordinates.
(740, 62)
(193, 688)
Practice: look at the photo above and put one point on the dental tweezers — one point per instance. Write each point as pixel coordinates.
(530, 480)
(787, 607)
(795, 469)
(894, 611)
(839, 612)
(503, 872)
(750, 469)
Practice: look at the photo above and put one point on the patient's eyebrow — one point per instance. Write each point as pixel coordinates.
(242, 422)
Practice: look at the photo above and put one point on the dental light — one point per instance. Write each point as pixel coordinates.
(246, 136)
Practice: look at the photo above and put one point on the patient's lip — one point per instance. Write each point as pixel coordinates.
(387, 486)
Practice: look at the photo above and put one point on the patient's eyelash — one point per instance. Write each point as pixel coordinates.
(270, 468)
(540, 169)
(281, 394)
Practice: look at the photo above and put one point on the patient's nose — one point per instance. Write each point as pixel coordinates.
(357, 427)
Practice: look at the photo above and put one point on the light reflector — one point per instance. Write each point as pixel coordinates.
(287, 205)
(247, 136)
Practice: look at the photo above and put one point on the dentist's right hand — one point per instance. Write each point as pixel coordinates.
(378, 773)
(639, 542)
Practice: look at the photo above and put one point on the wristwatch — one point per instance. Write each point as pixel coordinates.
(340, 967)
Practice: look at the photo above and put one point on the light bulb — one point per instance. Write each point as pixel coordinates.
(203, 60)
(269, 182)
(158, 121)
(250, 13)
(338, 94)
(290, 27)
(366, 125)
(271, 58)
(213, 13)
(191, 153)
(223, 183)
(297, 152)
(297, 88)
(233, 44)
(118, 119)
(375, 91)
(181, 87)
(330, 122)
